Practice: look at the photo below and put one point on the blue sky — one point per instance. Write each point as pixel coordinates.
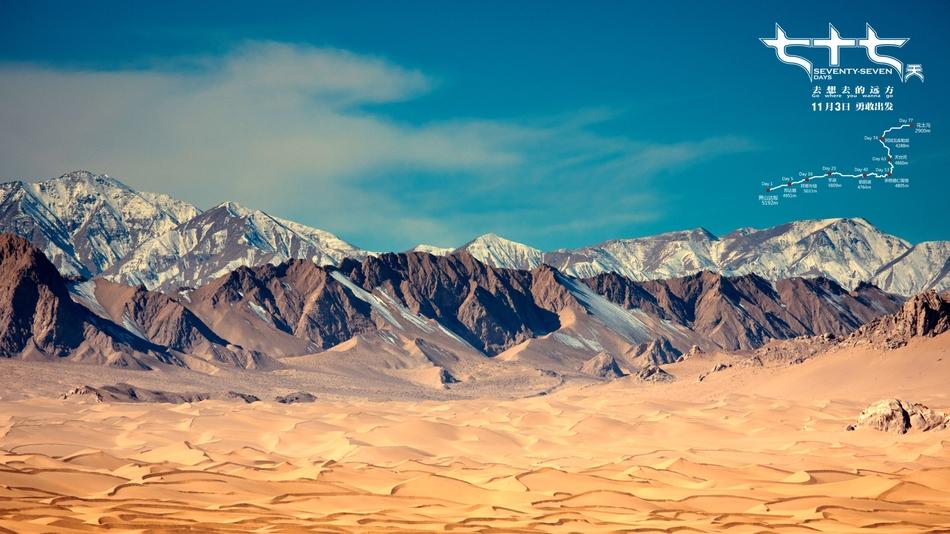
(555, 124)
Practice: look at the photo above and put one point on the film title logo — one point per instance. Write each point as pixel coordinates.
(876, 48)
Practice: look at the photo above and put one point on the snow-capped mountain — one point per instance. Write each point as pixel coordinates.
(925, 266)
(648, 258)
(219, 241)
(89, 224)
(497, 251)
(849, 251)
(85, 222)
(432, 249)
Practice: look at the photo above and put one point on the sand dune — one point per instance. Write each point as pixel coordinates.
(746, 450)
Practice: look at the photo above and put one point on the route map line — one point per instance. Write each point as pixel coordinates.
(829, 174)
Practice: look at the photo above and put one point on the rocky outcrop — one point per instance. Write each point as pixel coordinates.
(693, 352)
(924, 315)
(128, 393)
(900, 417)
(602, 365)
(244, 397)
(795, 350)
(295, 397)
(719, 367)
(752, 361)
(657, 352)
(655, 374)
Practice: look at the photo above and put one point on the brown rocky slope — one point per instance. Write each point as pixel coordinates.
(39, 319)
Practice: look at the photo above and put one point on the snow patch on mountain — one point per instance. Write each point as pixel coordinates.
(623, 322)
(925, 266)
(367, 297)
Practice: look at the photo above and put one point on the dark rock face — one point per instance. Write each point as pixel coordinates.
(492, 309)
(297, 307)
(35, 308)
(745, 311)
(38, 317)
(167, 322)
(824, 307)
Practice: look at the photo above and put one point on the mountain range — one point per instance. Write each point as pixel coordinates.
(442, 319)
(93, 225)
(850, 251)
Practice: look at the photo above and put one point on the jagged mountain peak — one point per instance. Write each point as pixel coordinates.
(847, 250)
(86, 222)
(498, 251)
(794, 230)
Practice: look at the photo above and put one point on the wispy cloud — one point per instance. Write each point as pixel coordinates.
(298, 131)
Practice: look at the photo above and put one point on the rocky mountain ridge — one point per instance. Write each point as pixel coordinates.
(442, 319)
(85, 223)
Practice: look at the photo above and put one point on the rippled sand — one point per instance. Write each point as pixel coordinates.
(598, 458)
(577, 461)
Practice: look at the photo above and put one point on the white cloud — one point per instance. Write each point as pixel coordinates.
(293, 130)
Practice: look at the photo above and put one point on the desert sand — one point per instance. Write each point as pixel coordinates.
(746, 450)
